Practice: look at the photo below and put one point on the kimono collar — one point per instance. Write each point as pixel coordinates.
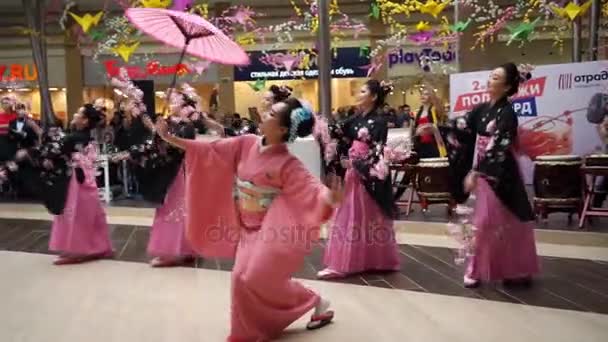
(504, 101)
(270, 149)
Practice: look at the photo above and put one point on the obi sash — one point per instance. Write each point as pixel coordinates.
(253, 201)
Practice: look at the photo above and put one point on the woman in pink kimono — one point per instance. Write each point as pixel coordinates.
(160, 172)
(66, 165)
(362, 236)
(268, 223)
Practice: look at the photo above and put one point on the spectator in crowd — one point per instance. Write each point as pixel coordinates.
(23, 131)
(7, 114)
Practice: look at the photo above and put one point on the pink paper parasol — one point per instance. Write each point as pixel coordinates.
(188, 32)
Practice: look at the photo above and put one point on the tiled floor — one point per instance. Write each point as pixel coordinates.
(115, 301)
(580, 285)
(436, 213)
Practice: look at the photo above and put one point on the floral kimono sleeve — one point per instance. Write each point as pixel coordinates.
(492, 165)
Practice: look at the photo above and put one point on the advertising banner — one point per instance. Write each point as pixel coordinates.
(559, 108)
(346, 63)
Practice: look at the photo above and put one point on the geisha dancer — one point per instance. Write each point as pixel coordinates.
(504, 247)
(273, 95)
(362, 237)
(66, 177)
(160, 171)
(268, 229)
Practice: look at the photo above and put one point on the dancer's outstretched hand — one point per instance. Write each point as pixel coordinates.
(162, 129)
(470, 182)
(147, 121)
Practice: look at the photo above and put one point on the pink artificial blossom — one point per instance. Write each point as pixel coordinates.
(491, 127)
(380, 169)
(363, 134)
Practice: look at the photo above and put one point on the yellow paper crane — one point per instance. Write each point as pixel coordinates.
(155, 3)
(423, 26)
(572, 10)
(246, 39)
(125, 51)
(433, 7)
(87, 21)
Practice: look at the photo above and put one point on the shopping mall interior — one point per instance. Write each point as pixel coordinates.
(57, 55)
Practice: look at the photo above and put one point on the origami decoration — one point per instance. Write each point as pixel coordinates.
(423, 26)
(96, 35)
(155, 3)
(433, 7)
(125, 51)
(87, 21)
(260, 84)
(522, 31)
(460, 26)
(375, 11)
(572, 10)
(422, 37)
(181, 5)
(200, 66)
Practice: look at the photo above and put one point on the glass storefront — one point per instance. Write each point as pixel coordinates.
(19, 77)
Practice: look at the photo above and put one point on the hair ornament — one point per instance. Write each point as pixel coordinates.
(525, 72)
(298, 116)
(387, 86)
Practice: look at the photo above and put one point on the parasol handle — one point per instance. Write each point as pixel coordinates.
(174, 81)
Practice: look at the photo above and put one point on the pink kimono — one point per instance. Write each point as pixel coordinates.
(268, 229)
(82, 230)
(167, 235)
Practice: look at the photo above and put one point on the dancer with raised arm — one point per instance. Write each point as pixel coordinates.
(504, 248)
(268, 229)
(160, 171)
(63, 168)
(362, 237)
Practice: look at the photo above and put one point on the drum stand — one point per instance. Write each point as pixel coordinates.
(588, 210)
(403, 177)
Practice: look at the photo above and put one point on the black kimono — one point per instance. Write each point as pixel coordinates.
(497, 162)
(157, 163)
(51, 184)
(348, 131)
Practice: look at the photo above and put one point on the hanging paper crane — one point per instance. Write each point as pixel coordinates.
(460, 26)
(433, 7)
(522, 31)
(423, 26)
(181, 5)
(125, 51)
(572, 10)
(88, 20)
(155, 3)
(260, 84)
(200, 66)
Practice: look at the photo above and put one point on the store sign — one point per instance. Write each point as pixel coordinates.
(18, 72)
(150, 69)
(411, 57)
(346, 63)
(159, 69)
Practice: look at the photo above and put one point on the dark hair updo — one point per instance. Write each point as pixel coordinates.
(187, 101)
(513, 78)
(280, 93)
(304, 128)
(380, 90)
(92, 114)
